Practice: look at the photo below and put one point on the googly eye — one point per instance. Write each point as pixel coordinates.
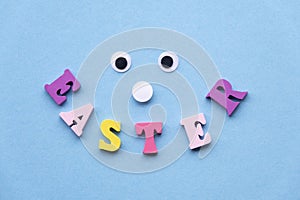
(168, 61)
(120, 61)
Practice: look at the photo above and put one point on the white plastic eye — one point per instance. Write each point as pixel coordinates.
(120, 61)
(142, 91)
(168, 61)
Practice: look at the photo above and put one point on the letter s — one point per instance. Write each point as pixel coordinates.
(115, 142)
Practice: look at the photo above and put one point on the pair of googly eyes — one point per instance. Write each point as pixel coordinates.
(121, 61)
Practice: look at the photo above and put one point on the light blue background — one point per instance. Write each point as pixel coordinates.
(254, 44)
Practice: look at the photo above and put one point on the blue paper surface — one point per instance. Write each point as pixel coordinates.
(254, 44)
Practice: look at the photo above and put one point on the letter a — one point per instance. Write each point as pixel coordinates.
(76, 119)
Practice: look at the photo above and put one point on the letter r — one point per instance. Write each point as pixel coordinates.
(221, 93)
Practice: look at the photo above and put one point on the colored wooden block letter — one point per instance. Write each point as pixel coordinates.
(76, 119)
(222, 92)
(115, 142)
(149, 129)
(58, 88)
(193, 127)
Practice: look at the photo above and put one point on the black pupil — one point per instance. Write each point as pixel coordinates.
(121, 63)
(167, 61)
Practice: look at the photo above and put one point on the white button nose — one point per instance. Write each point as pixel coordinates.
(142, 91)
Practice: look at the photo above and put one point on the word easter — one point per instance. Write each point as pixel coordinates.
(222, 93)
